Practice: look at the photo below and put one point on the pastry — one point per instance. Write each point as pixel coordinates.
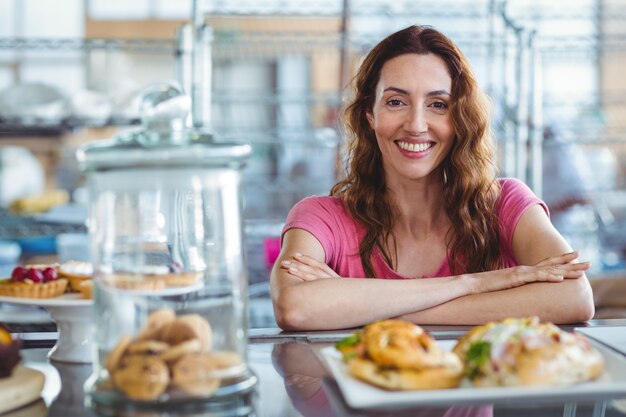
(135, 281)
(86, 289)
(142, 377)
(115, 356)
(187, 327)
(181, 279)
(174, 353)
(399, 355)
(200, 374)
(147, 347)
(76, 272)
(171, 354)
(33, 281)
(155, 322)
(39, 203)
(526, 352)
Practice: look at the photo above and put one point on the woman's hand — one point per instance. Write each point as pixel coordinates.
(553, 269)
(307, 268)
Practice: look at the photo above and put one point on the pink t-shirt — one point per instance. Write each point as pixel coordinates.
(327, 219)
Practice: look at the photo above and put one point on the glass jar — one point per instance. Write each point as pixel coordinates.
(170, 280)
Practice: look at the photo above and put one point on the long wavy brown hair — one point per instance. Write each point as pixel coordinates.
(468, 171)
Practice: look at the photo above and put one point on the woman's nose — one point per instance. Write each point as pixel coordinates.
(416, 121)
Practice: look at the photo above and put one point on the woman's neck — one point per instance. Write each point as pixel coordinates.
(418, 208)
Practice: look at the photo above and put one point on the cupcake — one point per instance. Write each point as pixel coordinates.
(9, 352)
(76, 272)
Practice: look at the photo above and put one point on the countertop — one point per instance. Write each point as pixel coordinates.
(293, 381)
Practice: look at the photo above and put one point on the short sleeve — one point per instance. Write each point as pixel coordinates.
(318, 216)
(515, 198)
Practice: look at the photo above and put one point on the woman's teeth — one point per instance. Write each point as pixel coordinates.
(414, 147)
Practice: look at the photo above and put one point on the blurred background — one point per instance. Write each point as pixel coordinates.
(73, 71)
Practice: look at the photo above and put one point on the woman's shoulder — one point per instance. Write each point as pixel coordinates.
(320, 202)
(323, 207)
(513, 186)
(515, 198)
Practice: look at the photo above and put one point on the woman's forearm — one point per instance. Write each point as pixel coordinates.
(350, 302)
(306, 298)
(570, 301)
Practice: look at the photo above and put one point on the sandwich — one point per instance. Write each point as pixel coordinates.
(399, 355)
(526, 352)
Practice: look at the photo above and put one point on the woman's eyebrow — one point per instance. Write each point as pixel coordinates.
(405, 92)
(438, 93)
(397, 90)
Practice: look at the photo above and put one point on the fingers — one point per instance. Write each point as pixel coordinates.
(557, 273)
(576, 270)
(559, 259)
(307, 268)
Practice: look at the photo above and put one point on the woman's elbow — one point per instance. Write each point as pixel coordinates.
(288, 312)
(581, 304)
(586, 309)
(287, 319)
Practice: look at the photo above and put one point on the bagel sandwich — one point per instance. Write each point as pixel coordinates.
(399, 355)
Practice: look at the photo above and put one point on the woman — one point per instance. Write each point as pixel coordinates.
(420, 213)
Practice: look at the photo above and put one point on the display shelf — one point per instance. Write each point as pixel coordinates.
(356, 8)
(244, 41)
(14, 226)
(80, 44)
(43, 127)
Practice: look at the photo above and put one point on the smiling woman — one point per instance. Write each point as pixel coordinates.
(411, 116)
(421, 213)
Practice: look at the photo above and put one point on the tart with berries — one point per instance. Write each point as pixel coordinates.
(34, 281)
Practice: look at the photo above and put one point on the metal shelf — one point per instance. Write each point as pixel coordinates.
(79, 44)
(357, 8)
(13, 226)
(43, 127)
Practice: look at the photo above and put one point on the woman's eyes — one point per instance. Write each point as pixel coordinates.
(440, 105)
(394, 102)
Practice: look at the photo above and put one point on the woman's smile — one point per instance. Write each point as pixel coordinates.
(415, 149)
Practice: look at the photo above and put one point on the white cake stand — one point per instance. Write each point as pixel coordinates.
(73, 316)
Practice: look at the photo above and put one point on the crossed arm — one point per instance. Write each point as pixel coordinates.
(549, 283)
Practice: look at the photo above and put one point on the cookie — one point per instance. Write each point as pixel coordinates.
(114, 357)
(155, 321)
(147, 347)
(227, 364)
(200, 374)
(188, 327)
(190, 374)
(174, 353)
(142, 378)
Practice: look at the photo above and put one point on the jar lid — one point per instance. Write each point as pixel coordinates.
(162, 148)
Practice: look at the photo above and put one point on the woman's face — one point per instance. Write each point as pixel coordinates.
(411, 115)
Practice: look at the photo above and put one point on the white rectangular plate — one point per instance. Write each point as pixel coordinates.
(357, 394)
(614, 337)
